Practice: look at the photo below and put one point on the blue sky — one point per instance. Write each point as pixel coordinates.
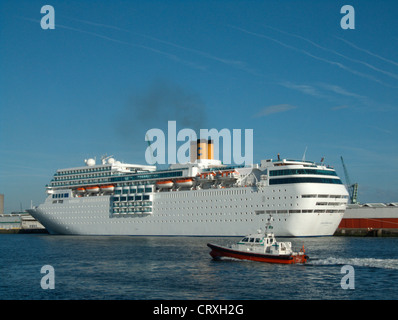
(111, 70)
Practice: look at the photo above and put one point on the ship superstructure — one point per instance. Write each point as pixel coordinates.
(199, 198)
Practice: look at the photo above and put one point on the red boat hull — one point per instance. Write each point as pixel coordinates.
(218, 252)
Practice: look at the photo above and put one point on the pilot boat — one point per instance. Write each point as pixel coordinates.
(262, 247)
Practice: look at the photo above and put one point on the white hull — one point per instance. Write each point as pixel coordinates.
(232, 211)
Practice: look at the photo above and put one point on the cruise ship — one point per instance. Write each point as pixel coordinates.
(200, 198)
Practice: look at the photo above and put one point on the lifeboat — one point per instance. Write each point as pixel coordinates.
(205, 176)
(93, 189)
(167, 184)
(227, 175)
(80, 190)
(107, 188)
(184, 183)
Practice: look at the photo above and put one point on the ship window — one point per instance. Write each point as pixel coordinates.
(304, 180)
(284, 172)
(245, 240)
(251, 240)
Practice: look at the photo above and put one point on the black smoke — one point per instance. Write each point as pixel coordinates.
(160, 102)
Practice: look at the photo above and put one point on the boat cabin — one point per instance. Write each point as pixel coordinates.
(259, 238)
(265, 241)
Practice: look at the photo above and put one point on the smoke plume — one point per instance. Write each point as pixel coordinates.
(162, 102)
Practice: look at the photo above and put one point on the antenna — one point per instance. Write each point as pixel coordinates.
(268, 224)
(305, 151)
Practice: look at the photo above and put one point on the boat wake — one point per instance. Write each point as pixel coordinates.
(359, 262)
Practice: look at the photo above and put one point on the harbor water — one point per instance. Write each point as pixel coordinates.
(180, 268)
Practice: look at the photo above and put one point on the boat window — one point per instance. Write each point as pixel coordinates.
(258, 239)
(245, 240)
(251, 240)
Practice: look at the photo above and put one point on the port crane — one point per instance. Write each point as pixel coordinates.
(352, 188)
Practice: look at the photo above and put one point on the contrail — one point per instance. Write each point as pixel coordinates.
(367, 51)
(337, 53)
(237, 64)
(331, 62)
(166, 54)
(198, 52)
